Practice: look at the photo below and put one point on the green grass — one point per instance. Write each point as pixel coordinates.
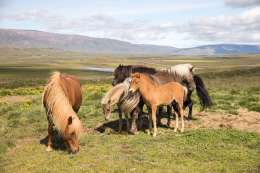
(194, 151)
(24, 125)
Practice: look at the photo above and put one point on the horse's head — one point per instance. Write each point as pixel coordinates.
(107, 110)
(120, 73)
(72, 133)
(135, 82)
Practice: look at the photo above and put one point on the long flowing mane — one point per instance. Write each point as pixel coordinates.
(120, 94)
(113, 95)
(57, 104)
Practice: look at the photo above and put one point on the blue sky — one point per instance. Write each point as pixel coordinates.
(165, 22)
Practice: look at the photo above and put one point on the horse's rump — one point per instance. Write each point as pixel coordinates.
(71, 87)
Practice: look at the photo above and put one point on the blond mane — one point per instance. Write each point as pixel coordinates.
(113, 95)
(57, 104)
(119, 94)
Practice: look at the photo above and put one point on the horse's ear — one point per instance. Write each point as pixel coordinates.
(70, 120)
(191, 69)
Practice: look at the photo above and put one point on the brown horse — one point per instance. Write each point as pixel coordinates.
(154, 95)
(62, 98)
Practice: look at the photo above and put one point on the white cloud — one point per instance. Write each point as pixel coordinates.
(242, 3)
(102, 26)
(241, 28)
(236, 28)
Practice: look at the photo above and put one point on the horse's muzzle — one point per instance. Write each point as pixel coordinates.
(74, 151)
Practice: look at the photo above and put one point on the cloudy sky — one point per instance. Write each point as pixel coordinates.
(164, 22)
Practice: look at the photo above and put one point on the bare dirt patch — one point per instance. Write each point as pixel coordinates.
(245, 121)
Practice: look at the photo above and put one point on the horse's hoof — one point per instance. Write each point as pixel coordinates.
(49, 149)
(182, 130)
(154, 135)
(133, 132)
(148, 132)
(175, 130)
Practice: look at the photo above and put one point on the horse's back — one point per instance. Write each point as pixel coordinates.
(175, 88)
(72, 89)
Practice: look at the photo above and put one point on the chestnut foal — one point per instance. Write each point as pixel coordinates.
(154, 95)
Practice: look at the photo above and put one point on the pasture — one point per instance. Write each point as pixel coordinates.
(224, 138)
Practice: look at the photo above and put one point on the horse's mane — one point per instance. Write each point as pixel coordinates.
(57, 104)
(128, 69)
(120, 94)
(143, 69)
(113, 95)
(182, 70)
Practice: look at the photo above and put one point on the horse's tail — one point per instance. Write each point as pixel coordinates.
(202, 92)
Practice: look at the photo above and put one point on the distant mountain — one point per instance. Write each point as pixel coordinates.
(39, 39)
(220, 49)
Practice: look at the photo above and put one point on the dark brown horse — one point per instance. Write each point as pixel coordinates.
(62, 98)
(122, 72)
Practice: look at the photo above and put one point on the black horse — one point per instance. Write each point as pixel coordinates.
(122, 72)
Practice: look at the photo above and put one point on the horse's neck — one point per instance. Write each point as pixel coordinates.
(117, 94)
(149, 86)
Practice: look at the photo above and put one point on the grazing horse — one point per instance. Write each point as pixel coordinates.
(62, 99)
(155, 95)
(182, 73)
(128, 104)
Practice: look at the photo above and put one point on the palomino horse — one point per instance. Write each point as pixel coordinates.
(128, 104)
(62, 98)
(183, 73)
(155, 95)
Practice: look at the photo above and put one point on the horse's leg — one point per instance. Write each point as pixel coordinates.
(189, 104)
(150, 121)
(154, 108)
(176, 122)
(134, 116)
(127, 123)
(50, 134)
(141, 105)
(159, 114)
(182, 119)
(169, 113)
(120, 120)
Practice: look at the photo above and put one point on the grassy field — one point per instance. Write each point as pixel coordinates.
(232, 82)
